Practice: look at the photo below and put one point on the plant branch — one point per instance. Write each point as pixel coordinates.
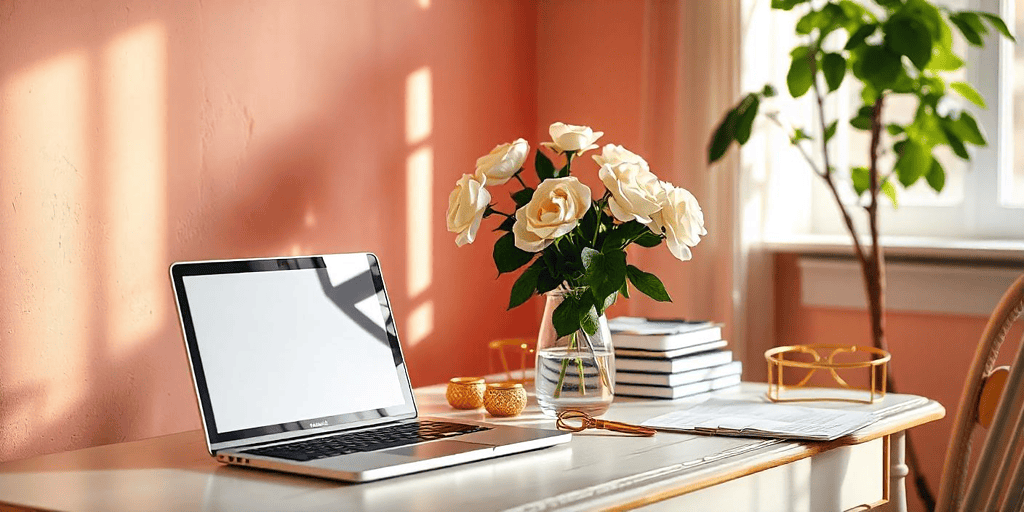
(827, 176)
(803, 151)
(516, 176)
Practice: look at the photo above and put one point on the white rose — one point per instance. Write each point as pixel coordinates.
(567, 138)
(466, 207)
(614, 154)
(635, 191)
(557, 206)
(498, 166)
(680, 220)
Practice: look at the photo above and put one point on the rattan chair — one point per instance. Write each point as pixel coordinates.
(997, 480)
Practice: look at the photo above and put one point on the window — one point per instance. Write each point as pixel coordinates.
(982, 199)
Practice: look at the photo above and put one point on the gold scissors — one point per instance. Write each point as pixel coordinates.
(578, 421)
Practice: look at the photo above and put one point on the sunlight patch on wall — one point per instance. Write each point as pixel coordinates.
(135, 107)
(419, 116)
(420, 324)
(44, 274)
(419, 177)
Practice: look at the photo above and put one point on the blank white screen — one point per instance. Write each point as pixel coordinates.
(276, 348)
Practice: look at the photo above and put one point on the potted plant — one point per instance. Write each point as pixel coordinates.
(573, 246)
(892, 48)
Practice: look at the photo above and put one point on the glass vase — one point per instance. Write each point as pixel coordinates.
(576, 371)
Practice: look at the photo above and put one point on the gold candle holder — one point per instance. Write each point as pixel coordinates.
(874, 361)
(505, 398)
(465, 392)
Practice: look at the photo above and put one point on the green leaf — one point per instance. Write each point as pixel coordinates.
(894, 129)
(943, 59)
(625, 289)
(747, 112)
(617, 237)
(831, 130)
(545, 169)
(863, 119)
(508, 257)
(805, 25)
(649, 239)
(968, 92)
(910, 37)
(589, 319)
(786, 5)
(604, 272)
(914, 161)
(998, 23)
(801, 72)
(861, 177)
(546, 283)
(936, 176)
(588, 224)
(970, 34)
(506, 225)
(768, 91)
(880, 66)
(833, 66)
(523, 197)
(860, 36)
(972, 19)
(724, 135)
(648, 284)
(525, 285)
(967, 129)
(890, 192)
(798, 135)
(954, 142)
(609, 301)
(566, 317)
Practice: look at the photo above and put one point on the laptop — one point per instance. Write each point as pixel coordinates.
(298, 368)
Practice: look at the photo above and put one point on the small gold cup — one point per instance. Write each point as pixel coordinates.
(465, 392)
(505, 398)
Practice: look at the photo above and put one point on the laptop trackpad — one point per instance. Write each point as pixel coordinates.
(437, 449)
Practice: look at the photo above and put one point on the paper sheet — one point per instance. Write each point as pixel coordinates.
(739, 418)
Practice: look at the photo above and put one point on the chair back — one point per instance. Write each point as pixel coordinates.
(997, 482)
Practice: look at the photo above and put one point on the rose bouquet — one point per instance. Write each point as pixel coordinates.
(570, 242)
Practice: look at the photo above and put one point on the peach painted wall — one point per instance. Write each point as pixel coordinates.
(931, 354)
(137, 133)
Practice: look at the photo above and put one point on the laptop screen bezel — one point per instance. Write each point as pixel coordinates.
(301, 427)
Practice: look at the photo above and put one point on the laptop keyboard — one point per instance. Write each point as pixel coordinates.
(367, 440)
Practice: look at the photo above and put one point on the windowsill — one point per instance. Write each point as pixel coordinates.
(904, 247)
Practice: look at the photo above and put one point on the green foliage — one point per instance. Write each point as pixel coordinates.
(906, 48)
(801, 71)
(968, 93)
(508, 257)
(588, 264)
(648, 284)
(545, 169)
(833, 65)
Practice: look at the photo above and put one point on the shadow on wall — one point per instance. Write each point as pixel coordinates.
(140, 134)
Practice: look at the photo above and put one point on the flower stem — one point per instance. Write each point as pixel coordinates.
(602, 372)
(521, 182)
(561, 374)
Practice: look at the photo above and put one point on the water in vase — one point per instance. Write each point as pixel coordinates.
(579, 379)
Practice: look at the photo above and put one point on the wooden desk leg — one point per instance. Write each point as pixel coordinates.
(898, 471)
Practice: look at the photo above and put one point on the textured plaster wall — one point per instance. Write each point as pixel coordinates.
(137, 133)
(931, 354)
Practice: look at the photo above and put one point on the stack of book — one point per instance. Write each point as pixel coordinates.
(670, 358)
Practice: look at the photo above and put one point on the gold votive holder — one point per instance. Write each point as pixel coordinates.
(465, 392)
(505, 398)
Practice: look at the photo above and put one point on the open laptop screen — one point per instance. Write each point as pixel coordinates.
(290, 344)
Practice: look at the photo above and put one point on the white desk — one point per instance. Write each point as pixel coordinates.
(596, 470)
